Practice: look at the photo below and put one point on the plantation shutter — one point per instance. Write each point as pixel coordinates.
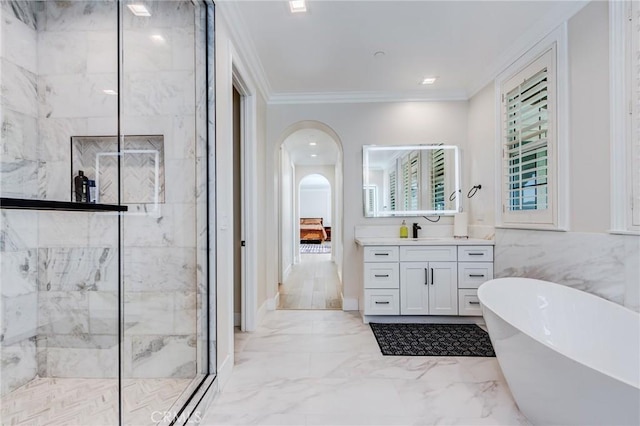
(392, 190)
(437, 179)
(371, 194)
(635, 110)
(528, 140)
(414, 161)
(406, 184)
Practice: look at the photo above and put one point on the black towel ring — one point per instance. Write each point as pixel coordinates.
(473, 190)
(454, 195)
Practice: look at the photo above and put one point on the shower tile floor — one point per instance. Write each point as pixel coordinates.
(85, 402)
(325, 368)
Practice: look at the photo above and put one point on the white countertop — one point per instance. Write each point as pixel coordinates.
(422, 241)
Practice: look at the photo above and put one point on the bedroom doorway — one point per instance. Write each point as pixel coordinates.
(310, 216)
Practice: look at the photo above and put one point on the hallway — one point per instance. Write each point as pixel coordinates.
(325, 368)
(312, 284)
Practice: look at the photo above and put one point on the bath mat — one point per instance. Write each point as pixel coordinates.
(315, 248)
(432, 339)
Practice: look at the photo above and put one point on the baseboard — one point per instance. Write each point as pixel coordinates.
(272, 303)
(349, 304)
(237, 319)
(224, 371)
(422, 319)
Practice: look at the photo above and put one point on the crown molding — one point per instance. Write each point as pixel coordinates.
(526, 41)
(239, 34)
(365, 97)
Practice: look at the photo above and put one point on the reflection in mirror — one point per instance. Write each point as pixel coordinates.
(410, 180)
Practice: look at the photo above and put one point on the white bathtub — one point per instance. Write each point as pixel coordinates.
(569, 357)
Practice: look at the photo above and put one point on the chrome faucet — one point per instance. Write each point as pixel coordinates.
(415, 230)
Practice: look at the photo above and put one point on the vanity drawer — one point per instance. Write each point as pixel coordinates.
(427, 253)
(381, 254)
(381, 275)
(382, 302)
(468, 303)
(475, 253)
(472, 274)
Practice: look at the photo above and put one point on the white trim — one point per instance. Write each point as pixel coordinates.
(249, 190)
(531, 227)
(365, 97)
(560, 201)
(349, 304)
(247, 52)
(621, 185)
(237, 319)
(285, 273)
(272, 303)
(224, 371)
(263, 311)
(522, 45)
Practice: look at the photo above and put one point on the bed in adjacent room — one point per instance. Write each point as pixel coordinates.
(312, 230)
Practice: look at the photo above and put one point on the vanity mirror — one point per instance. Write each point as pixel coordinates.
(410, 180)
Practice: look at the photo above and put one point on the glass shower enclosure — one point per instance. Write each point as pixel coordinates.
(107, 314)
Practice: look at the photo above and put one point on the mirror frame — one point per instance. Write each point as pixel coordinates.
(366, 149)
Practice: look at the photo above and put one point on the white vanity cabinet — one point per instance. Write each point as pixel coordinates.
(428, 286)
(475, 266)
(425, 279)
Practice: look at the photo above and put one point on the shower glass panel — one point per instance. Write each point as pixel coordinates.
(163, 100)
(105, 316)
(59, 269)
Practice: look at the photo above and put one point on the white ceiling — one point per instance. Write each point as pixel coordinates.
(327, 54)
(330, 49)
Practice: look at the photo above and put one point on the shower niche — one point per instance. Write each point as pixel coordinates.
(142, 167)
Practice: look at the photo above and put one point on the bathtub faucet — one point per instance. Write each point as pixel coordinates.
(415, 230)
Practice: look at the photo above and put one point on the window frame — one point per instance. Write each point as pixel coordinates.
(625, 145)
(556, 217)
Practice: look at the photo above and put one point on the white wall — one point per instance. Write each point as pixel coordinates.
(287, 213)
(586, 257)
(363, 124)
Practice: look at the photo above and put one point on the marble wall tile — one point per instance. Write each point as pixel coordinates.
(632, 272)
(78, 269)
(148, 49)
(80, 16)
(19, 89)
(19, 42)
(54, 181)
(103, 313)
(159, 269)
(102, 56)
(63, 312)
(164, 356)
(19, 178)
(158, 93)
(19, 138)
(23, 10)
(77, 95)
(148, 313)
(180, 181)
(82, 362)
(590, 262)
(18, 272)
(17, 364)
(183, 45)
(163, 14)
(55, 137)
(184, 314)
(103, 230)
(62, 52)
(172, 226)
(18, 230)
(19, 318)
(57, 230)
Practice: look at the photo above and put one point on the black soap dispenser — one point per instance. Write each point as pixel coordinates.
(81, 186)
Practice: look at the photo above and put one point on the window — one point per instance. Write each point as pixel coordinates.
(437, 179)
(393, 190)
(371, 198)
(625, 115)
(411, 180)
(529, 143)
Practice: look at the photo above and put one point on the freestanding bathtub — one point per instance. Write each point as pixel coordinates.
(569, 357)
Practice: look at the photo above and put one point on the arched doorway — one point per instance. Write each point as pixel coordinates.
(315, 213)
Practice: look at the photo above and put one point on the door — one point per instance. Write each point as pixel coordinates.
(443, 288)
(414, 288)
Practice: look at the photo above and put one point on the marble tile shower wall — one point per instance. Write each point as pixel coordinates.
(602, 264)
(71, 261)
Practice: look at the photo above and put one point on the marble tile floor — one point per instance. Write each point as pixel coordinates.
(325, 368)
(86, 402)
(312, 284)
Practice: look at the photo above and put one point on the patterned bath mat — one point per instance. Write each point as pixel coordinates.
(315, 248)
(432, 339)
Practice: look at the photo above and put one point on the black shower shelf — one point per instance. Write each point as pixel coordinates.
(26, 204)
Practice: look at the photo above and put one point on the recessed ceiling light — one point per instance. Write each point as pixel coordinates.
(109, 92)
(139, 9)
(157, 38)
(312, 144)
(428, 80)
(314, 155)
(297, 6)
